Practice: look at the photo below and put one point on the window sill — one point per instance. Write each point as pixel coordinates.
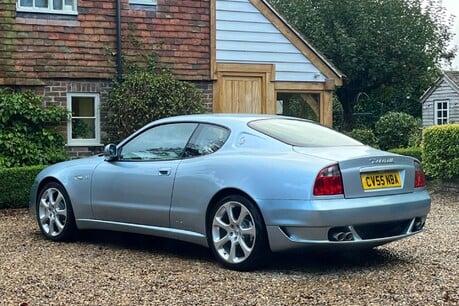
(84, 143)
(47, 19)
(44, 11)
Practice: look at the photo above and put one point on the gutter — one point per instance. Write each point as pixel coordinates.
(119, 55)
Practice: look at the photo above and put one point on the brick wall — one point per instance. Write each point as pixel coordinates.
(451, 187)
(178, 31)
(207, 89)
(37, 47)
(54, 55)
(54, 93)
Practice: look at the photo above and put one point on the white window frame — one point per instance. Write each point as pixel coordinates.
(436, 109)
(66, 9)
(143, 2)
(89, 141)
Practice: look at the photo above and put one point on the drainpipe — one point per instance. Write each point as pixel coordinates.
(119, 55)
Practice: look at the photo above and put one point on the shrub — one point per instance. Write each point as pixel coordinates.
(415, 152)
(365, 136)
(15, 185)
(28, 131)
(415, 138)
(146, 95)
(441, 151)
(394, 129)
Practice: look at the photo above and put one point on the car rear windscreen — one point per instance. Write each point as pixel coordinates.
(302, 133)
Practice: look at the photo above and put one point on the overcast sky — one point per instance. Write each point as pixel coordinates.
(452, 7)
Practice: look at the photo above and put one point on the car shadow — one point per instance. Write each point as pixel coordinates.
(145, 243)
(330, 261)
(304, 261)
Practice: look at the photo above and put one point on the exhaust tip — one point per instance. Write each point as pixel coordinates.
(349, 236)
(418, 224)
(340, 234)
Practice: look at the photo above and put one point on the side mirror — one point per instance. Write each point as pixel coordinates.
(111, 152)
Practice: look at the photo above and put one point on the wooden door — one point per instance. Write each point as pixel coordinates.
(244, 89)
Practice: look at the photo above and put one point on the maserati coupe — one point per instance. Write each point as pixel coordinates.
(243, 185)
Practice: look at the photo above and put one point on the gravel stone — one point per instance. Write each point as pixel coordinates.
(105, 268)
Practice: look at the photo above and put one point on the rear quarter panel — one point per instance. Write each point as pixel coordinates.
(261, 176)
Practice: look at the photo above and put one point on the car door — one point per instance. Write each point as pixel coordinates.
(137, 188)
(197, 179)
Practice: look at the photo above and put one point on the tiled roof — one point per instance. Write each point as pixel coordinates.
(453, 75)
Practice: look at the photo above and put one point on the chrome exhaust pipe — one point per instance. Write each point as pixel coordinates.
(349, 236)
(339, 236)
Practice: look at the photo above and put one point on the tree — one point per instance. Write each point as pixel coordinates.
(390, 50)
(147, 93)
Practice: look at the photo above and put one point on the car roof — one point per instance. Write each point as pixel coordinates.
(222, 118)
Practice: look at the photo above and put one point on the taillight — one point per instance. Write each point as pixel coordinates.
(419, 177)
(328, 181)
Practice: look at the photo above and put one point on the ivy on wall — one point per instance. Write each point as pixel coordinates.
(29, 132)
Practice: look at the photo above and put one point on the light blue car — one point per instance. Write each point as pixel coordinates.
(242, 185)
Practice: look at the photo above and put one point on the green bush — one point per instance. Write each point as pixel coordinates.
(415, 138)
(144, 95)
(394, 130)
(441, 151)
(415, 152)
(365, 136)
(28, 131)
(15, 185)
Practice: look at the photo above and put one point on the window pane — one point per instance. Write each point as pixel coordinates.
(147, 2)
(210, 139)
(57, 4)
(83, 129)
(302, 133)
(26, 3)
(69, 5)
(41, 3)
(83, 106)
(159, 143)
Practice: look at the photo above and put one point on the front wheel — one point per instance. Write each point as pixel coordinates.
(54, 213)
(236, 233)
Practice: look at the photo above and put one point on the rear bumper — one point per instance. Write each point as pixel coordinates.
(297, 224)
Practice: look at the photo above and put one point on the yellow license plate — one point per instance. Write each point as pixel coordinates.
(378, 180)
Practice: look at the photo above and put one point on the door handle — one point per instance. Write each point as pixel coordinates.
(165, 171)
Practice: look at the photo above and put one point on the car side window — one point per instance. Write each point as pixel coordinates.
(163, 142)
(208, 139)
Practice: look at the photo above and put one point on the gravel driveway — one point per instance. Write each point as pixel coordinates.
(119, 269)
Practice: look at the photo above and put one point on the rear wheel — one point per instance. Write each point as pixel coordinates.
(236, 233)
(54, 213)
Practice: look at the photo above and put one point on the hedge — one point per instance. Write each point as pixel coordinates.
(15, 184)
(415, 152)
(441, 152)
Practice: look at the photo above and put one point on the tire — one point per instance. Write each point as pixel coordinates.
(236, 234)
(55, 214)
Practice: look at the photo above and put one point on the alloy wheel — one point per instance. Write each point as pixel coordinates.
(52, 212)
(233, 232)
